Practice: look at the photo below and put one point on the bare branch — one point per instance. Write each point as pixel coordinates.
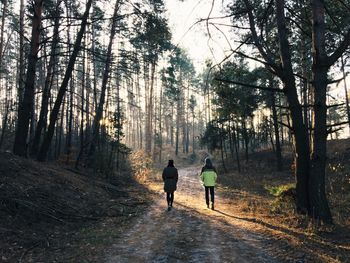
(248, 85)
(286, 125)
(337, 124)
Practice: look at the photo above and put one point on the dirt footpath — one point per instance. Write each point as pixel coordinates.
(192, 233)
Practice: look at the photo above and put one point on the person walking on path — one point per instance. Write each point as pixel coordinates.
(208, 177)
(170, 177)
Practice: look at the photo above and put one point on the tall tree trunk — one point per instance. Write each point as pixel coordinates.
(47, 86)
(4, 122)
(245, 138)
(193, 142)
(4, 11)
(172, 126)
(99, 111)
(222, 148)
(300, 131)
(149, 112)
(54, 113)
(177, 132)
(21, 52)
(26, 105)
(236, 142)
(346, 92)
(318, 200)
(277, 135)
(187, 121)
(160, 124)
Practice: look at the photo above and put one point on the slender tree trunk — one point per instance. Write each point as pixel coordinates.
(245, 138)
(99, 112)
(277, 135)
(54, 113)
(235, 142)
(149, 117)
(160, 124)
(21, 52)
(4, 11)
(47, 87)
(4, 122)
(177, 127)
(193, 142)
(172, 126)
(222, 149)
(346, 91)
(26, 105)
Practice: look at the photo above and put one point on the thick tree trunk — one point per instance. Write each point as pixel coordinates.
(54, 113)
(26, 105)
(319, 208)
(299, 129)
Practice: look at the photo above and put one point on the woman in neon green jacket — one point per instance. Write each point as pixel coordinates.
(208, 177)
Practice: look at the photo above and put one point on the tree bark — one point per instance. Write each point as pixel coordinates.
(318, 201)
(26, 105)
(299, 129)
(54, 113)
(21, 52)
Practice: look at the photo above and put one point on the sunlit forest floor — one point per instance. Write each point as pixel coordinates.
(53, 213)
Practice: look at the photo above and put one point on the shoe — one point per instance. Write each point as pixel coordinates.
(207, 205)
(169, 208)
(212, 206)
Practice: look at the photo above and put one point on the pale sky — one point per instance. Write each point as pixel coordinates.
(183, 15)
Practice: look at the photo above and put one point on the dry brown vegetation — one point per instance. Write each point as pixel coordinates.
(265, 196)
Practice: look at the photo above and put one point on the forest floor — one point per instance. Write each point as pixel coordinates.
(52, 213)
(231, 233)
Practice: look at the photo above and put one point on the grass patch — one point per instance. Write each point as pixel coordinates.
(280, 190)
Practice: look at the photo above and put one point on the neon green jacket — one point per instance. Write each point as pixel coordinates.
(209, 177)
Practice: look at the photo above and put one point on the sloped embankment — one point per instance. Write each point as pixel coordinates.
(46, 209)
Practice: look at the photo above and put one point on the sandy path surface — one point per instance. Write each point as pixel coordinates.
(190, 232)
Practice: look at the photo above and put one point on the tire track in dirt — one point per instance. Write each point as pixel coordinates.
(190, 232)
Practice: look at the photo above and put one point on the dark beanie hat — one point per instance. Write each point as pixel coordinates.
(171, 163)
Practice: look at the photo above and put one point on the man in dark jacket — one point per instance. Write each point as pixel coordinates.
(170, 177)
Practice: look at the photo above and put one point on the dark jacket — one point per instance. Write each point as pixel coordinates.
(170, 177)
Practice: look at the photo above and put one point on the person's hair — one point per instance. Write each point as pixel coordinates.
(208, 163)
(171, 163)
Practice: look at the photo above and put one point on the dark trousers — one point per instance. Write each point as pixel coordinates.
(207, 189)
(170, 198)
